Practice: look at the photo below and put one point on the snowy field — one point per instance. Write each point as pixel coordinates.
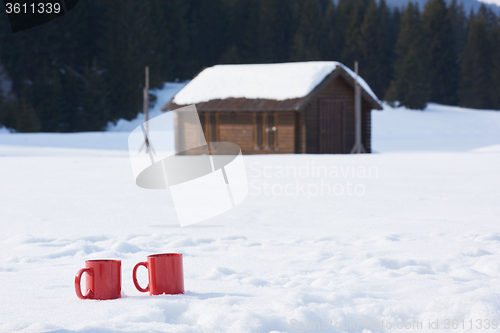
(406, 237)
(438, 128)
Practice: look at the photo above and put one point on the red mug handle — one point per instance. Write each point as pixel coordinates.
(78, 287)
(134, 277)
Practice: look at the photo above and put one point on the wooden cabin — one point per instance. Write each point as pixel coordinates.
(291, 108)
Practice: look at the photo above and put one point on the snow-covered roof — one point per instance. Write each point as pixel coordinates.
(260, 81)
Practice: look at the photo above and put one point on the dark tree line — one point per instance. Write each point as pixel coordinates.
(86, 68)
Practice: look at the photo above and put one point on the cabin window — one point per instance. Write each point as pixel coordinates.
(271, 129)
(258, 130)
(213, 127)
(265, 130)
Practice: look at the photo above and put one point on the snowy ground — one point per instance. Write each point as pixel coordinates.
(438, 128)
(406, 236)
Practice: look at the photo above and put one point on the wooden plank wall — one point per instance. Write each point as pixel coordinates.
(338, 89)
(285, 129)
(188, 132)
(236, 127)
(300, 132)
(308, 120)
(239, 127)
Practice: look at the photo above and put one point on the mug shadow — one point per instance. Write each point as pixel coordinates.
(188, 226)
(100, 330)
(213, 295)
(201, 296)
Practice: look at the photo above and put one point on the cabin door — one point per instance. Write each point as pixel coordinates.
(331, 116)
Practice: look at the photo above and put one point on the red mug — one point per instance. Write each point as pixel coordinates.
(102, 281)
(165, 274)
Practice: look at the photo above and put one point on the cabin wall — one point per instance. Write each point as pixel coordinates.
(188, 133)
(300, 133)
(285, 131)
(239, 127)
(236, 127)
(308, 137)
(338, 89)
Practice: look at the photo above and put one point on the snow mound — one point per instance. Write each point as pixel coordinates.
(492, 2)
(488, 149)
(4, 130)
(437, 128)
(266, 81)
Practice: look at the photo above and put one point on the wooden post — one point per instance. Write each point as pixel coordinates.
(145, 110)
(358, 144)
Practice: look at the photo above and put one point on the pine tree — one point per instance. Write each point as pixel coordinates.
(2, 102)
(26, 118)
(375, 51)
(92, 112)
(309, 34)
(495, 69)
(395, 25)
(385, 47)
(394, 31)
(368, 42)
(343, 15)
(324, 43)
(212, 25)
(410, 85)
(239, 29)
(352, 49)
(275, 30)
(173, 46)
(334, 33)
(458, 21)
(344, 9)
(441, 57)
(475, 85)
(488, 16)
(19, 115)
(126, 53)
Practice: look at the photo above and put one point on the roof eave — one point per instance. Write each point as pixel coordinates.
(364, 94)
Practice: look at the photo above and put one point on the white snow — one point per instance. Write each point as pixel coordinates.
(437, 128)
(494, 2)
(267, 81)
(405, 236)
